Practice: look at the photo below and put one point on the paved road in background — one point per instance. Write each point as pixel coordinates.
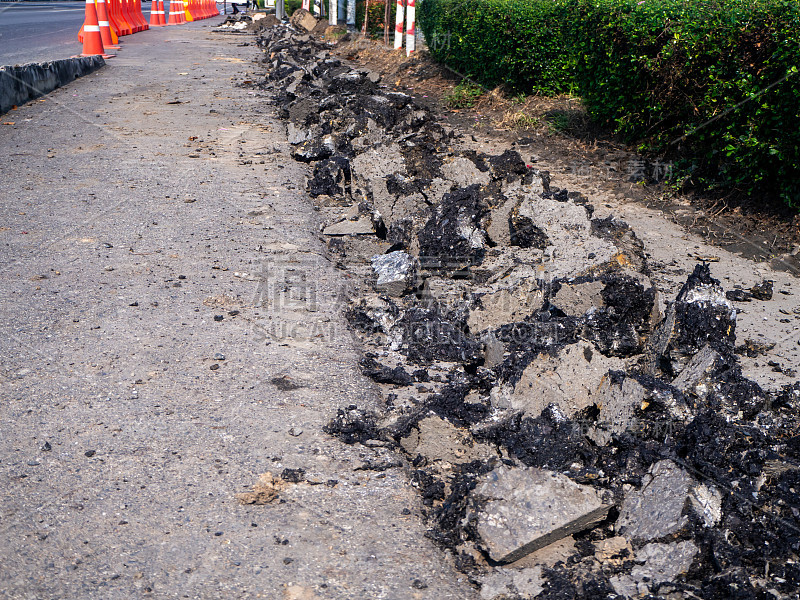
(39, 31)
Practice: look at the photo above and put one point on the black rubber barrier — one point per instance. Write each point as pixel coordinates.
(21, 83)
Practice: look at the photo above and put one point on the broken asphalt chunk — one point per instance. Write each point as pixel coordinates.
(524, 509)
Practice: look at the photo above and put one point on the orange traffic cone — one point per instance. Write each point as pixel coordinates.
(156, 14)
(92, 42)
(175, 11)
(171, 18)
(105, 28)
(162, 16)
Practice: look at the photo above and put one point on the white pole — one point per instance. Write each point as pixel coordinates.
(333, 12)
(351, 14)
(411, 29)
(398, 26)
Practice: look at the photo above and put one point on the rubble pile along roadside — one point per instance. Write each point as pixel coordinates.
(572, 432)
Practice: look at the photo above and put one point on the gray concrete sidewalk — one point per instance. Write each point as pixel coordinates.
(171, 330)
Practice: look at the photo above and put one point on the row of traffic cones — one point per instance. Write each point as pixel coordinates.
(106, 20)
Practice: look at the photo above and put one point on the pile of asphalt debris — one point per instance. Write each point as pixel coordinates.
(572, 432)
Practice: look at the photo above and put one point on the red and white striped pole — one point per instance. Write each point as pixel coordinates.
(410, 25)
(398, 26)
(306, 4)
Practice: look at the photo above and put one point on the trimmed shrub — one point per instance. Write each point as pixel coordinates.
(711, 84)
(514, 43)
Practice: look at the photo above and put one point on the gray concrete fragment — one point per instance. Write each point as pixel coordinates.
(617, 402)
(396, 272)
(527, 508)
(498, 230)
(572, 380)
(438, 440)
(303, 20)
(576, 299)
(663, 562)
(462, 172)
(506, 304)
(627, 587)
(494, 351)
(512, 583)
(370, 170)
(567, 229)
(656, 510)
(695, 378)
(363, 226)
(297, 135)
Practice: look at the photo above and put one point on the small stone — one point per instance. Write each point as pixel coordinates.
(217, 533)
(218, 317)
(90, 453)
(288, 561)
(762, 291)
(46, 447)
(265, 490)
(707, 503)
(109, 268)
(396, 273)
(219, 356)
(738, 295)
(418, 584)
(214, 367)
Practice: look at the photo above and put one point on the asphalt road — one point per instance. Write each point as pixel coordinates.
(39, 31)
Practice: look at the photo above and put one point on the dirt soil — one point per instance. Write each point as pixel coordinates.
(556, 133)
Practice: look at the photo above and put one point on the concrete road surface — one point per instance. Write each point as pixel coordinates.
(170, 329)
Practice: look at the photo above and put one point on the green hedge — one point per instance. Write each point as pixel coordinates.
(710, 84)
(503, 42)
